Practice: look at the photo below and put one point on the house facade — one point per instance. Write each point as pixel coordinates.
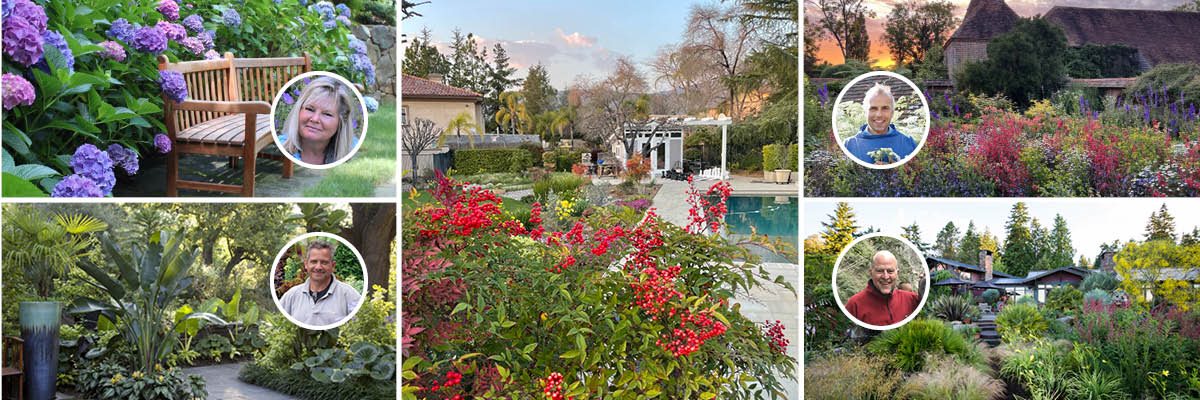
(431, 99)
(981, 277)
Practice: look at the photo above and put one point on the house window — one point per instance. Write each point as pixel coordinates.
(404, 116)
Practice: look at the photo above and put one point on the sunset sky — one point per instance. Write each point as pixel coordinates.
(829, 51)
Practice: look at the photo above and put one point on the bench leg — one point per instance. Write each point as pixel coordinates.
(248, 175)
(173, 173)
(287, 168)
(233, 161)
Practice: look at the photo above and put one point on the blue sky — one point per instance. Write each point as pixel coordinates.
(1092, 221)
(570, 38)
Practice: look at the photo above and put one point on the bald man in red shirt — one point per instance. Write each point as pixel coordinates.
(881, 303)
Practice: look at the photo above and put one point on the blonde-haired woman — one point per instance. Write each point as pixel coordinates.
(319, 130)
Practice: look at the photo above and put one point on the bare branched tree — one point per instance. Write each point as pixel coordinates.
(417, 136)
(725, 40)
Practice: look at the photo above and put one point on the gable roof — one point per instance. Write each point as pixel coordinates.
(985, 19)
(1160, 36)
(420, 88)
(969, 267)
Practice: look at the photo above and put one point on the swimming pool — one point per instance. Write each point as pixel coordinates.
(775, 217)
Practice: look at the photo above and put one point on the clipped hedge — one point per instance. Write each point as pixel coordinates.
(300, 384)
(478, 161)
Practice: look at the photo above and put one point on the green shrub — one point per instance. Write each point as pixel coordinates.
(1041, 367)
(990, 296)
(854, 376)
(770, 155)
(112, 381)
(953, 308)
(371, 324)
(1098, 296)
(565, 184)
(1096, 385)
(1099, 280)
(910, 344)
(1175, 78)
(1020, 323)
(475, 161)
(947, 378)
(300, 384)
(1064, 299)
(793, 157)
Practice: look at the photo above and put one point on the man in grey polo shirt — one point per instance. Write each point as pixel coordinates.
(322, 300)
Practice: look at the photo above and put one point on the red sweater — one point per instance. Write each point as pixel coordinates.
(875, 308)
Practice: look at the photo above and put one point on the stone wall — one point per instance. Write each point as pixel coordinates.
(381, 47)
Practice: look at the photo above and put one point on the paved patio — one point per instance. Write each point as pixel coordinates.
(222, 383)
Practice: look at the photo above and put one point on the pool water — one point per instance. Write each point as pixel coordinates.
(775, 217)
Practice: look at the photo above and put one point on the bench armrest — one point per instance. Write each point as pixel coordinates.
(244, 107)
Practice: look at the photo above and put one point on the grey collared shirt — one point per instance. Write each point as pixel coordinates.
(339, 300)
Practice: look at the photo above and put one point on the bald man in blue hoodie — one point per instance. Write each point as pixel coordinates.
(879, 132)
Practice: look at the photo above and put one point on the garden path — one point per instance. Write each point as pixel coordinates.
(223, 384)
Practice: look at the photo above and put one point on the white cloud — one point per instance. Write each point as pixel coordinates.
(575, 39)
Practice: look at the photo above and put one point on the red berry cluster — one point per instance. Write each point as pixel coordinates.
(452, 379)
(467, 212)
(775, 336)
(567, 262)
(604, 239)
(655, 290)
(535, 219)
(554, 387)
(693, 331)
(705, 214)
(645, 238)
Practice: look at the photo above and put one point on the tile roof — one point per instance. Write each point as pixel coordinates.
(418, 88)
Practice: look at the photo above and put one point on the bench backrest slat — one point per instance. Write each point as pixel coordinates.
(230, 79)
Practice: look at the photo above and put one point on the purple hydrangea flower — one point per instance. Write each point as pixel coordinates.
(172, 85)
(324, 9)
(32, 13)
(149, 39)
(231, 18)
(76, 186)
(212, 55)
(287, 99)
(22, 41)
(56, 39)
(371, 103)
(121, 30)
(207, 38)
(193, 45)
(94, 164)
(329, 24)
(124, 157)
(113, 50)
(357, 46)
(8, 7)
(343, 20)
(169, 9)
(194, 23)
(172, 30)
(17, 91)
(343, 10)
(362, 63)
(162, 143)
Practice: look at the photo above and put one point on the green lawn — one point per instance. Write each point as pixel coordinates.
(374, 164)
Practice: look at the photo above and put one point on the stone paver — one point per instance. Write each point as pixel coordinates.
(774, 302)
(222, 383)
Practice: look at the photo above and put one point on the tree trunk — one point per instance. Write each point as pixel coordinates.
(373, 230)
(239, 254)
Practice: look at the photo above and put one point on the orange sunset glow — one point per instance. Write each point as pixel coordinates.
(829, 52)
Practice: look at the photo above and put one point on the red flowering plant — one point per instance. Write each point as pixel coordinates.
(616, 305)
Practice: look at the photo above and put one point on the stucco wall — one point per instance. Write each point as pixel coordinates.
(439, 111)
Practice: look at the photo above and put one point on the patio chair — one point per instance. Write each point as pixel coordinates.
(221, 115)
(14, 363)
(985, 308)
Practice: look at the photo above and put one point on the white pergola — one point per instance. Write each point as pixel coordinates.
(724, 122)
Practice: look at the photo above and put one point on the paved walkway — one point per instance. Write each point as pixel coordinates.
(222, 383)
(774, 302)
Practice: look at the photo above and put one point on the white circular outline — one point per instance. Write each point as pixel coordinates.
(271, 281)
(838, 298)
(920, 94)
(361, 104)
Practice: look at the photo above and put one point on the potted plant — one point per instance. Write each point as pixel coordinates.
(783, 171)
(770, 161)
(45, 249)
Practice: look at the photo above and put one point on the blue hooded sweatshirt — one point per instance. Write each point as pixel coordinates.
(865, 142)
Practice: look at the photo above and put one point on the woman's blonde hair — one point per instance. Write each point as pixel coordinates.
(325, 88)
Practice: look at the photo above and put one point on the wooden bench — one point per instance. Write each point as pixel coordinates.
(14, 362)
(221, 115)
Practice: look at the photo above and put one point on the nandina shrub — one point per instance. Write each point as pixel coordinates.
(617, 305)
